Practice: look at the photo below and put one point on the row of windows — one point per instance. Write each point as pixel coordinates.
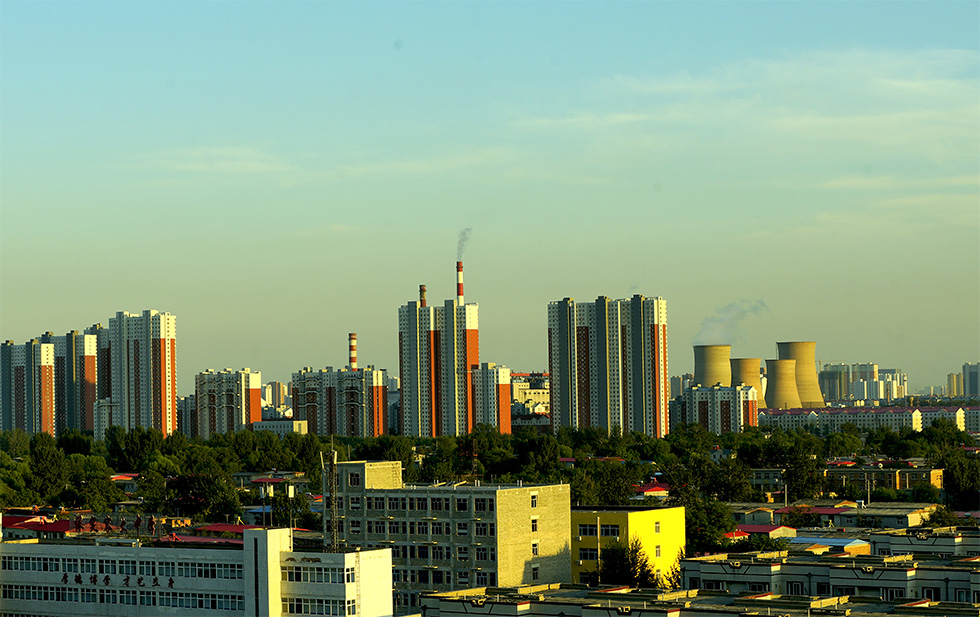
(318, 606)
(38, 592)
(422, 528)
(425, 504)
(209, 570)
(205, 601)
(607, 531)
(39, 564)
(318, 574)
(441, 577)
(441, 553)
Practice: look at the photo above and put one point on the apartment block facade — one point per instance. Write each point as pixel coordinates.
(720, 409)
(27, 386)
(608, 364)
(455, 536)
(227, 401)
(348, 401)
(492, 395)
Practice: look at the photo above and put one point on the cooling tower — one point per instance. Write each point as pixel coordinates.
(781, 392)
(712, 366)
(746, 370)
(805, 354)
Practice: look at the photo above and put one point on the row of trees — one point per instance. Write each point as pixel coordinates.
(194, 477)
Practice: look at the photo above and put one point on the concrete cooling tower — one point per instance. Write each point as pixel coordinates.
(805, 354)
(746, 370)
(781, 392)
(712, 366)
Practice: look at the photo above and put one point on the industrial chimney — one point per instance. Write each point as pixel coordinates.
(712, 365)
(746, 371)
(459, 283)
(781, 392)
(805, 354)
(422, 295)
(352, 350)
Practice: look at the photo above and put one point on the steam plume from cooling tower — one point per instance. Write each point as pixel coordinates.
(724, 327)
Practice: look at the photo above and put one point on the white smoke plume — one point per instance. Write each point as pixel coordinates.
(464, 237)
(724, 327)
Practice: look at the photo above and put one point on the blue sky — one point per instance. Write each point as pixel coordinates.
(280, 174)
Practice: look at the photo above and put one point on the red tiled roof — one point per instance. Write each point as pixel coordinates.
(830, 511)
(736, 534)
(761, 528)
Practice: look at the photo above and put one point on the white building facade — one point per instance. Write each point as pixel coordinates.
(261, 577)
(227, 401)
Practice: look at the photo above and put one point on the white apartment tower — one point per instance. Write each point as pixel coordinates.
(143, 370)
(438, 349)
(608, 364)
(227, 401)
(492, 395)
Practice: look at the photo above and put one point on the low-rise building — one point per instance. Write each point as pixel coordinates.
(660, 532)
(281, 427)
(945, 542)
(257, 576)
(453, 536)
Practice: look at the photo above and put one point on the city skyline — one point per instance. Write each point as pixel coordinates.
(278, 175)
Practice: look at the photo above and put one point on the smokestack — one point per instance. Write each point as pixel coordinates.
(459, 283)
(746, 371)
(712, 365)
(352, 349)
(805, 354)
(422, 295)
(781, 391)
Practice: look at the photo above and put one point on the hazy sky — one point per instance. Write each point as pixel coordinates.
(278, 174)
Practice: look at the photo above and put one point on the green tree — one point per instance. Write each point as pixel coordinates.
(73, 441)
(803, 516)
(16, 443)
(206, 497)
(47, 464)
(625, 563)
(89, 484)
(943, 517)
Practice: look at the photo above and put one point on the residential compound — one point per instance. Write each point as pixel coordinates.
(719, 409)
(123, 375)
(438, 350)
(859, 382)
(227, 401)
(455, 536)
(832, 420)
(258, 576)
(660, 532)
(608, 364)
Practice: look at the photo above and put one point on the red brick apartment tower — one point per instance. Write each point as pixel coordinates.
(438, 350)
(27, 387)
(143, 373)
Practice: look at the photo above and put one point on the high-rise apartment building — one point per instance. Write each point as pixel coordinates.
(438, 349)
(867, 371)
(721, 409)
(608, 364)
(27, 386)
(276, 394)
(75, 379)
(351, 401)
(492, 395)
(227, 401)
(954, 384)
(971, 379)
(835, 382)
(143, 370)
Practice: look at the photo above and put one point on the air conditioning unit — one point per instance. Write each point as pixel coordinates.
(579, 562)
(578, 539)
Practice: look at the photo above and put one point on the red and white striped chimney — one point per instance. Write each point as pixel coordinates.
(422, 295)
(459, 283)
(352, 347)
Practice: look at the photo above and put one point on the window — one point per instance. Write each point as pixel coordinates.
(482, 504)
(534, 573)
(462, 529)
(534, 525)
(355, 503)
(658, 551)
(656, 527)
(588, 554)
(609, 531)
(534, 501)
(481, 579)
(462, 553)
(354, 479)
(534, 549)
(587, 530)
(462, 505)
(355, 526)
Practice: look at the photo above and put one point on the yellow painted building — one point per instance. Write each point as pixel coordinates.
(660, 531)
